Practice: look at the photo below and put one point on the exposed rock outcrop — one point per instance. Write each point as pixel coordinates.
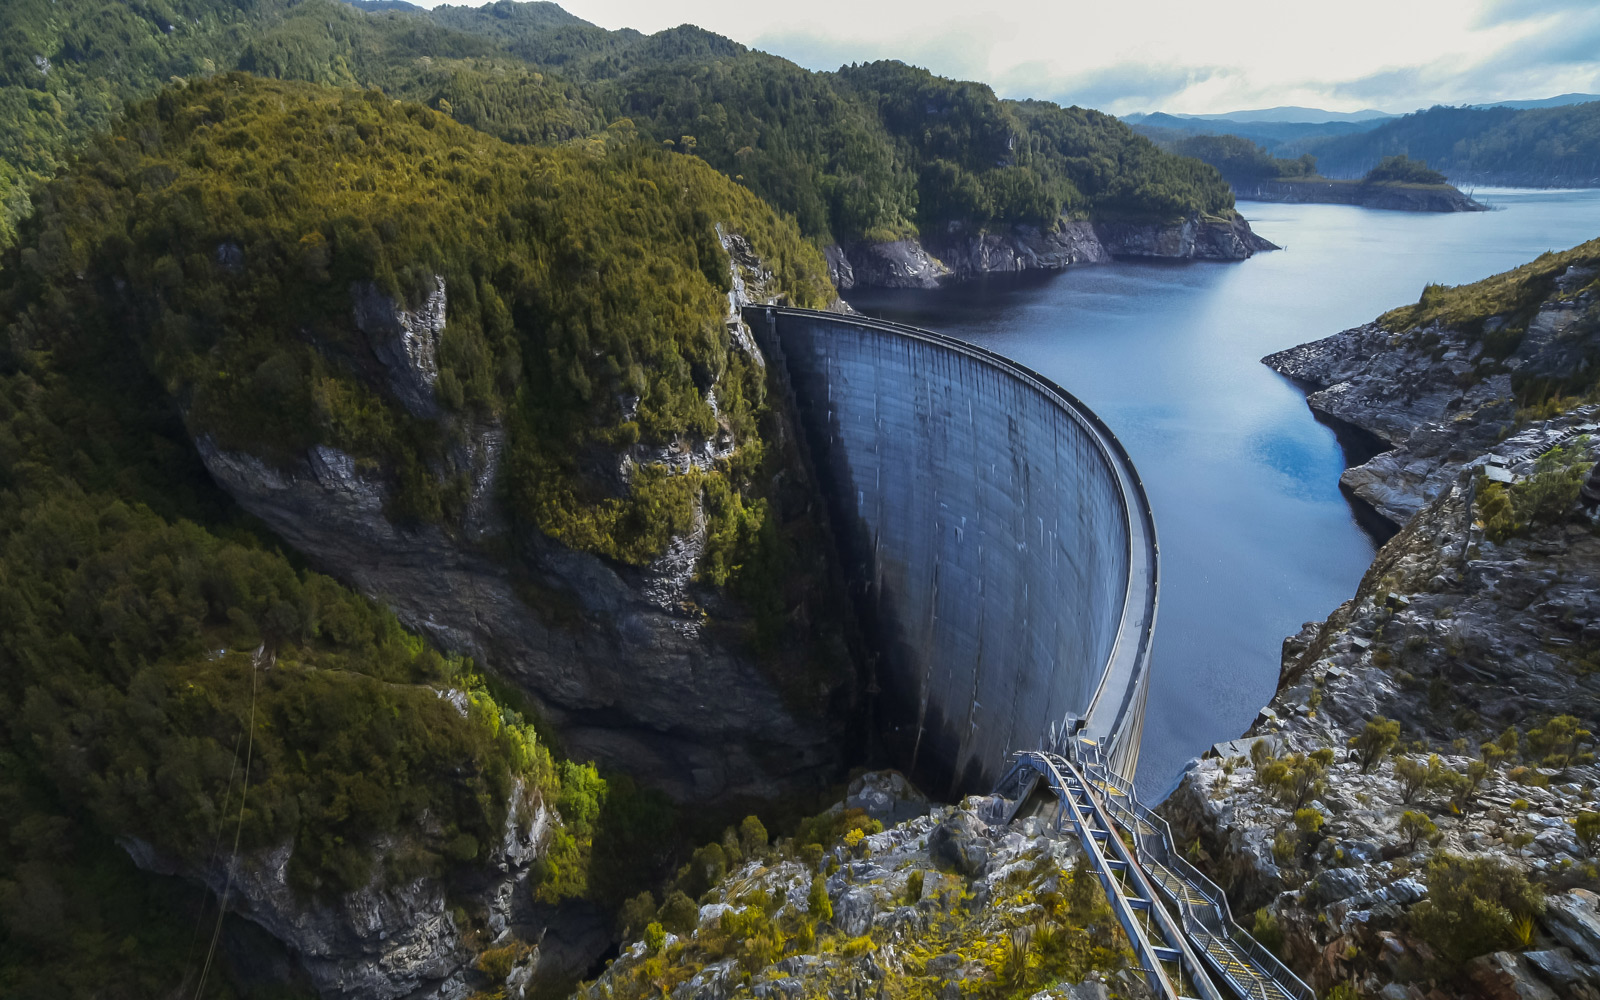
(1022, 248)
(1434, 395)
(1192, 239)
(1480, 644)
(897, 921)
(385, 941)
(959, 253)
(1456, 639)
(617, 657)
(901, 264)
(405, 341)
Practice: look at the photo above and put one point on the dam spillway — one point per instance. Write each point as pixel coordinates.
(999, 545)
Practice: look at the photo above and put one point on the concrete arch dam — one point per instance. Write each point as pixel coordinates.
(998, 541)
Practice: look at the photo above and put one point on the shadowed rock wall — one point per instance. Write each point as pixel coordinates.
(997, 538)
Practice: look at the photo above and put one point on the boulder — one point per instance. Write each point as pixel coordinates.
(854, 910)
(960, 843)
(1508, 976)
(1574, 920)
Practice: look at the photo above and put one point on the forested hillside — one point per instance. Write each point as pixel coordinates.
(193, 275)
(838, 151)
(1540, 146)
(1240, 160)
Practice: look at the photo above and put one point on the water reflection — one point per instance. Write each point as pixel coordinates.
(1256, 536)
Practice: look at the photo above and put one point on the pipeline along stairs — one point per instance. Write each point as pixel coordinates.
(1177, 920)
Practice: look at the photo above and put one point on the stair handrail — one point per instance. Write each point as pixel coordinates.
(1216, 918)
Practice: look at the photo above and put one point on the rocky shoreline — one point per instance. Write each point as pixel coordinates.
(1391, 197)
(958, 254)
(1414, 816)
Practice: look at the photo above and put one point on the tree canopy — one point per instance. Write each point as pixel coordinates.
(876, 151)
(1543, 146)
(193, 273)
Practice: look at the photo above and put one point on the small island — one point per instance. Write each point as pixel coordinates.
(1397, 183)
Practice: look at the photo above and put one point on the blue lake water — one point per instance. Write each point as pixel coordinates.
(1256, 537)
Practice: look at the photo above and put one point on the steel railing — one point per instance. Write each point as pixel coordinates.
(1206, 921)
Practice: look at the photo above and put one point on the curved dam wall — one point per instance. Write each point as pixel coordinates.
(999, 544)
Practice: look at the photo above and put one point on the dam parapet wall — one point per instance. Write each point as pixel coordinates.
(1000, 549)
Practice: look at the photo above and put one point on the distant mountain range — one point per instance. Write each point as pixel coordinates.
(1559, 101)
(1279, 114)
(1292, 114)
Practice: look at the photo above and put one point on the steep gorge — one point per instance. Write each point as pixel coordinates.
(423, 367)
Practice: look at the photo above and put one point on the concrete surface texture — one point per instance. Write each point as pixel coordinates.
(997, 540)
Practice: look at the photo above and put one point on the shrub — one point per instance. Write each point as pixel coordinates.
(818, 905)
(1477, 772)
(752, 837)
(1550, 495)
(1560, 742)
(1376, 739)
(655, 938)
(1587, 828)
(1416, 826)
(636, 914)
(1268, 931)
(1473, 907)
(1412, 775)
(679, 914)
(1495, 511)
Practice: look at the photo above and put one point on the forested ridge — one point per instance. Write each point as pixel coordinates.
(1537, 146)
(192, 275)
(1243, 163)
(842, 152)
(195, 192)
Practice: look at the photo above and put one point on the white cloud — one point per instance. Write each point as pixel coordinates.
(1179, 55)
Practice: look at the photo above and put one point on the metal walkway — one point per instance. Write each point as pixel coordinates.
(1177, 920)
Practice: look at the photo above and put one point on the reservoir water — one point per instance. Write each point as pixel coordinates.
(1256, 537)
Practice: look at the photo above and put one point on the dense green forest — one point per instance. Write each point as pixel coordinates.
(187, 212)
(1555, 146)
(205, 250)
(1242, 162)
(872, 151)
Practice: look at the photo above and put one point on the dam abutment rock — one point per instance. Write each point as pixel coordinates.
(997, 539)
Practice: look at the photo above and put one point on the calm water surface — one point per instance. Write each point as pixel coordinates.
(1256, 537)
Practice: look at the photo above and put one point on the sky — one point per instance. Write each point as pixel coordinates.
(1187, 56)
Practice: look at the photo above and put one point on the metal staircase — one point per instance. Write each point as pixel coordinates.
(1177, 920)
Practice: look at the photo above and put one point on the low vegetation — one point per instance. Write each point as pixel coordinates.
(1546, 498)
(1474, 906)
(1514, 296)
(1043, 926)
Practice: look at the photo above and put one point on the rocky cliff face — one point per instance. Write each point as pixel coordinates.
(960, 254)
(1434, 395)
(413, 938)
(1393, 197)
(1457, 639)
(620, 659)
(1479, 645)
